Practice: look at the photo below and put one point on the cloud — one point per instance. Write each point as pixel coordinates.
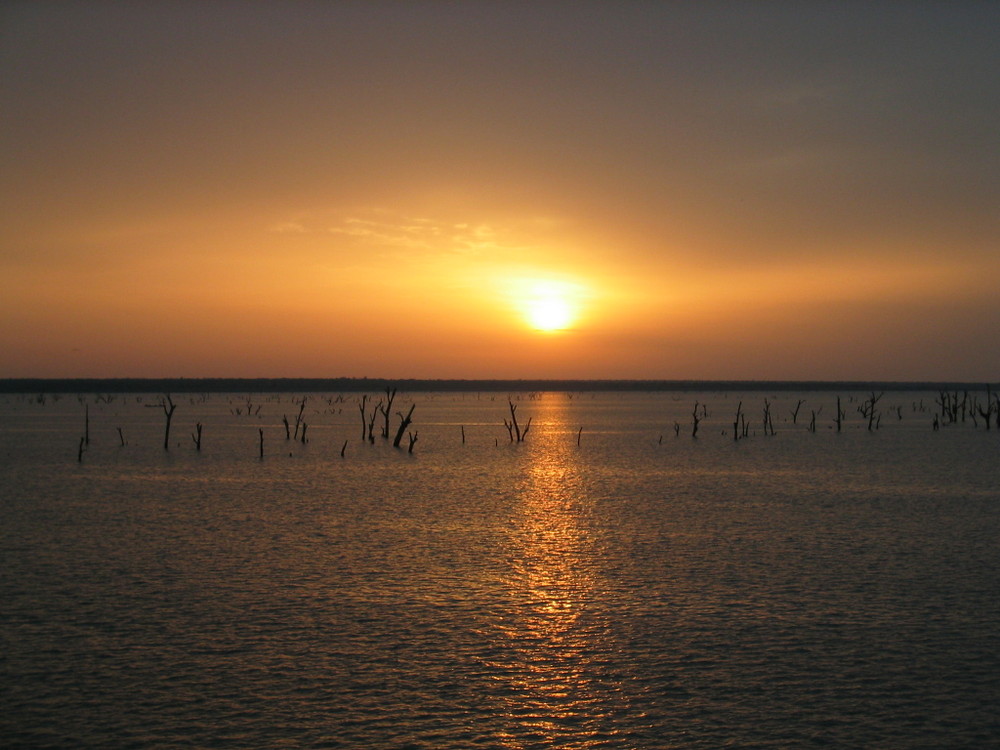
(397, 232)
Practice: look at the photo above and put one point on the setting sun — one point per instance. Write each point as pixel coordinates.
(550, 306)
(551, 314)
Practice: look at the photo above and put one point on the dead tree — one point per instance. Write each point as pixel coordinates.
(513, 428)
(196, 437)
(950, 405)
(868, 410)
(261, 431)
(305, 427)
(795, 411)
(768, 424)
(987, 413)
(364, 418)
(298, 418)
(812, 422)
(404, 422)
(371, 422)
(510, 430)
(413, 440)
(839, 419)
(390, 395)
(695, 420)
(121, 437)
(79, 451)
(288, 432)
(736, 421)
(168, 406)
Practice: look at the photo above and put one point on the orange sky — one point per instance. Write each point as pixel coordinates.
(702, 190)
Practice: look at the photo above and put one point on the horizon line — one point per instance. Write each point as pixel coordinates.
(365, 383)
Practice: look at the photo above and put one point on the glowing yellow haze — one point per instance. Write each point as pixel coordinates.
(550, 306)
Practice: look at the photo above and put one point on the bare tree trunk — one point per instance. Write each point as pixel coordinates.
(868, 410)
(513, 427)
(197, 437)
(390, 395)
(168, 406)
(404, 422)
(298, 419)
(364, 418)
(795, 411)
(371, 422)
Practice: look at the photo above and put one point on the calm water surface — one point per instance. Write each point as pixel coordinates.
(619, 587)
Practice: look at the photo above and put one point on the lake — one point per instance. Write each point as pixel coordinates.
(610, 582)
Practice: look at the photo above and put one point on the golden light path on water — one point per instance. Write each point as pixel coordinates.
(554, 693)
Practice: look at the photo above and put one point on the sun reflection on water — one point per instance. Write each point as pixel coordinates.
(553, 691)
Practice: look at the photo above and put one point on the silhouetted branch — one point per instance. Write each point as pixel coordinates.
(390, 395)
(168, 406)
(404, 422)
(371, 422)
(795, 411)
(513, 427)
(364, 418)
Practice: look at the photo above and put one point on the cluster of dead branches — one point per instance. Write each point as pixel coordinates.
(384, 407)
(513, 428)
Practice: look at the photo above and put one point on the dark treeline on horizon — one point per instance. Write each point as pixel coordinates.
(358, 385)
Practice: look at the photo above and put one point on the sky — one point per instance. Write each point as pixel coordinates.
(638, 190)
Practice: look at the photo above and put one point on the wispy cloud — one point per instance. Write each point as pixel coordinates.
(390, 233)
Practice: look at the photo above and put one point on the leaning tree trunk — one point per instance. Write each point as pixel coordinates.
(404, 422)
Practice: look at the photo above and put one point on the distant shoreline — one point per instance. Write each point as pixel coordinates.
(362, 385)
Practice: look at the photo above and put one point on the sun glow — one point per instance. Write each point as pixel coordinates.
(552, 314)
(550, 306)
